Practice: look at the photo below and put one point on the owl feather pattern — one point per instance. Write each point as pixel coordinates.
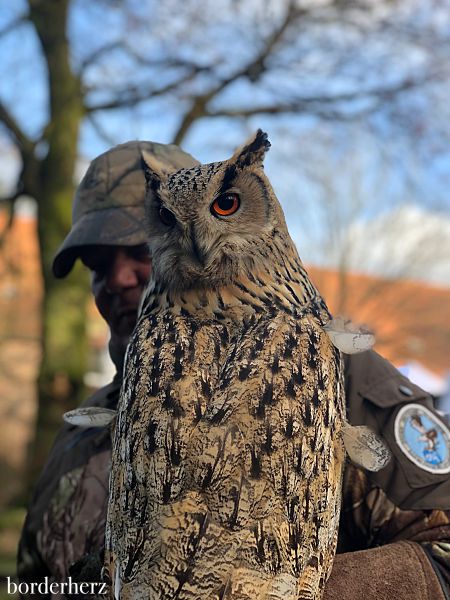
(227, 455)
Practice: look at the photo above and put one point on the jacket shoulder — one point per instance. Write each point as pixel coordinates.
(379, 396)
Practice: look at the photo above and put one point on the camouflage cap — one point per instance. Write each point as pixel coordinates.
(108, 207)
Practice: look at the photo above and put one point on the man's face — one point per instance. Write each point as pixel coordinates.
(119, 276)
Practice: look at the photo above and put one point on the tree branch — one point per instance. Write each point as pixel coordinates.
(20, 20)
(11, 198)
(16, 132)
(166, 62)
(9, 201)
(135, 95)
(323, 105)
(89, 60)
(101, 131)
(253, 70)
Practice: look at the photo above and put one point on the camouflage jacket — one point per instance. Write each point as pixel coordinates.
(396, 521)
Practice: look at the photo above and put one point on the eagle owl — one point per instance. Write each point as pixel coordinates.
(227, 454)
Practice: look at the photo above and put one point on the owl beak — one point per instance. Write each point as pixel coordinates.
(199, 255)
(196, 250)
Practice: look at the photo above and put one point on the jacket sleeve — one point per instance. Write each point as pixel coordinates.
(394, 538)
(70, 526)
(66, 516)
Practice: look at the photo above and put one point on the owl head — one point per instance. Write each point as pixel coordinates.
(211, 224)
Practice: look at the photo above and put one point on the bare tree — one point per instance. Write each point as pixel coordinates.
(177, 65)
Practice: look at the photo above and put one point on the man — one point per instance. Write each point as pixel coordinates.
(394, 539)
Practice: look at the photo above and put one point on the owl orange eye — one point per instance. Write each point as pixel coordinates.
(225, 205)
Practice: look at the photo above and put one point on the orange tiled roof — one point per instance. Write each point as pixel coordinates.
(411, 319)
(20, 278)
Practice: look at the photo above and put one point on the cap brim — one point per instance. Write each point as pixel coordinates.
(105, 227)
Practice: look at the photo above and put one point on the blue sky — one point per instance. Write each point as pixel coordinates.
(398, 155)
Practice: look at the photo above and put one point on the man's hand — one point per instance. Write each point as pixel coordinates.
(399, 571)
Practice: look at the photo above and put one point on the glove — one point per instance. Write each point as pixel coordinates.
(399, 571)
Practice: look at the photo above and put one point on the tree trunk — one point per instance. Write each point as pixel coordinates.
(60, 383)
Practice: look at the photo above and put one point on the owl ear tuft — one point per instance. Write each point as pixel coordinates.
(253, 151)
(154, 171)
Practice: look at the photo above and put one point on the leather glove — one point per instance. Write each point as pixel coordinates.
(400, 571)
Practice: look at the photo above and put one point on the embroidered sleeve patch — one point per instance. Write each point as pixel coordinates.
(423, 438)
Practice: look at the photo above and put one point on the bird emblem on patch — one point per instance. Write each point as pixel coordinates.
(423, 438)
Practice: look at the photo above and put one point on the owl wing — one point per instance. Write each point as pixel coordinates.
(172, 366)
(267, 456)
(251, 510)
